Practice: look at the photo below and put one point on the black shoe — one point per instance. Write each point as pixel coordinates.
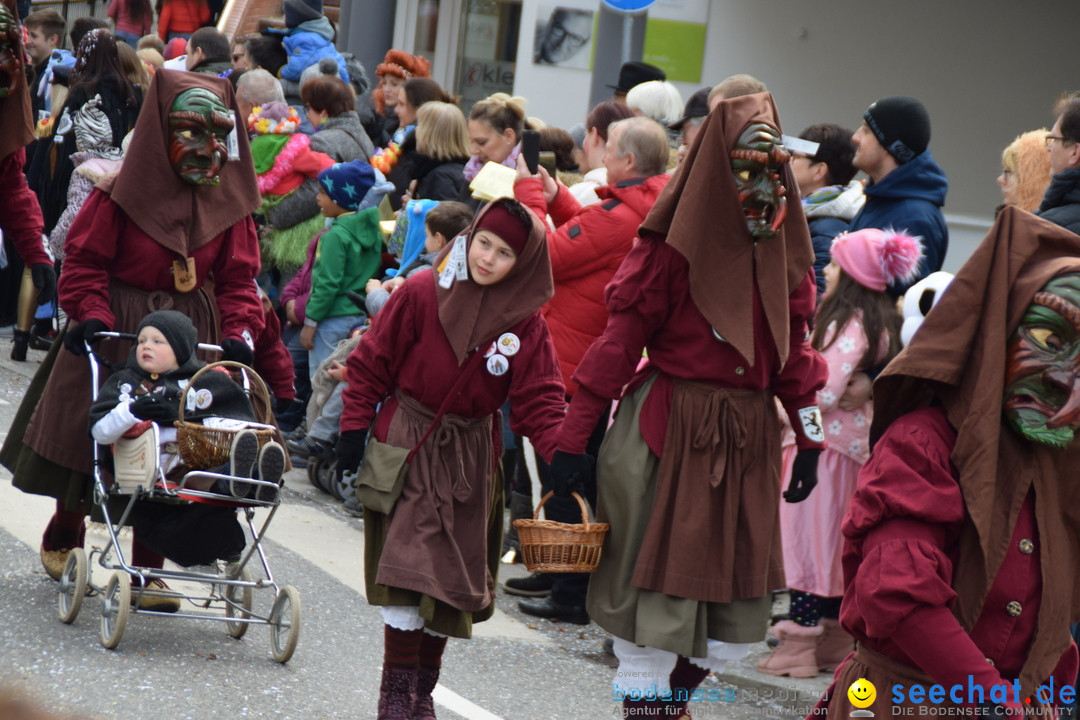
(548, 608)
(19, 344)
(311, 447)
(535, 585)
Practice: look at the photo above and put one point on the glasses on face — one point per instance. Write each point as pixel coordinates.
(1051, 138)
(560, 34)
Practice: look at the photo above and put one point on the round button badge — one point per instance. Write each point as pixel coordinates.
(509, 344)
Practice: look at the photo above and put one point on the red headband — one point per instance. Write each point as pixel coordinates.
(506, 225)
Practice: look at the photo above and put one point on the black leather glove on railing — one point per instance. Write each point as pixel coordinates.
(350, 450)
(803, 475)
(569, 472)
(83, 332)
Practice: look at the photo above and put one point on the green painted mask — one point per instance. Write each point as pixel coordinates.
(1042, 376)
(756, 161)
(9, 44)
(199, 127)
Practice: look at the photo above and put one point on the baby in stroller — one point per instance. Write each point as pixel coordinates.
(149, 388)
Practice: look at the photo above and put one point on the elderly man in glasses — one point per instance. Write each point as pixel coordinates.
(1061, 203)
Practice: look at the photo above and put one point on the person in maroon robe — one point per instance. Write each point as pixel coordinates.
(450, 346)
(717, 291)
(963, 537)
(177, 215)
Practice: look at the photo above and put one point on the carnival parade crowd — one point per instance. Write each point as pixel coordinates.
(742, 356)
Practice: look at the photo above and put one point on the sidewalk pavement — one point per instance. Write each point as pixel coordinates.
(793, 697)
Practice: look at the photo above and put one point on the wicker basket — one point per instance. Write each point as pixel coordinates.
(203, 448)
(549, 546)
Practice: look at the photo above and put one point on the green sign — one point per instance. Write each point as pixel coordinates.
(678, 48)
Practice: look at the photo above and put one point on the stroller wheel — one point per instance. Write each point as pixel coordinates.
(285, 624)
(238, 603)
(316, 472)
(73, 585)
(343, 485)
(114, 614)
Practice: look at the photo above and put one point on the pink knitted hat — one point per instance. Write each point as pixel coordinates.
(877, 258)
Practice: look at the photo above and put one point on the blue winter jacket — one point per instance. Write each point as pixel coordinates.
(910, 199)
(307, 44)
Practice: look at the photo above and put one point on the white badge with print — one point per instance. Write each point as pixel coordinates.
(490, 351)
(203, 399)
(498, 365)
(509, 344)
(810, 417)
(457, 264)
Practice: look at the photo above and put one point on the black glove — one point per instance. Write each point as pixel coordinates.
(350, 450)
(237, 350)
(82, 333)
(44, 277)
(570, 472)
(282, 405)
(151, 407)
(803, 475)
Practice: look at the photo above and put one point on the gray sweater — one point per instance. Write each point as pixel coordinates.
(342, 138)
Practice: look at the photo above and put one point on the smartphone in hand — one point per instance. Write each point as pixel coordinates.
(530, 149)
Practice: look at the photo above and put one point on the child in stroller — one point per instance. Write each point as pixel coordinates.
(149, 389)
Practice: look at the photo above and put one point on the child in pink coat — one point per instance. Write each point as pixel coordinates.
(858, 328)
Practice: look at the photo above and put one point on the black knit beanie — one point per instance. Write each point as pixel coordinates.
(902, 126)
(177, 329)
(300, 11)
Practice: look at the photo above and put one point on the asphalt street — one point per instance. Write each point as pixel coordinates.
(164, 667)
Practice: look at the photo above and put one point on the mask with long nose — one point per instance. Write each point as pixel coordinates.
(756, 161)
(199, 127)
(1042, 377)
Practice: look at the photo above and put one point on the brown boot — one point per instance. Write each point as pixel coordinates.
(396, 693)
(835, 645)
(424, 707)
(796, 655)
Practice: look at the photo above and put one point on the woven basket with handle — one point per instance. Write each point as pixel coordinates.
(204, 448)
(549, 546)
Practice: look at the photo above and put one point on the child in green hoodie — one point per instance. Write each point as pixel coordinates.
(348, 255)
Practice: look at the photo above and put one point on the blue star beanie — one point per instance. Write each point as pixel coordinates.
(353, 184)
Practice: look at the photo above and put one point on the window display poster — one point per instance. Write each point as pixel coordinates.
(564, 37)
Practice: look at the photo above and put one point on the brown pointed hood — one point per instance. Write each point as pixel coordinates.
(700, 215)
(178, 215)
(472, 314)
(958, 360)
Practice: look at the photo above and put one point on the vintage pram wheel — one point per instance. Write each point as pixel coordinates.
(343, 487)
(238, 604)
(316, 473)
(73, 585)
(114, 612)
(285, 624)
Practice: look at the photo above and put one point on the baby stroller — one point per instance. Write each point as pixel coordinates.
(137, 486)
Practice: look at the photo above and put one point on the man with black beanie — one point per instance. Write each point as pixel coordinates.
(907, 187)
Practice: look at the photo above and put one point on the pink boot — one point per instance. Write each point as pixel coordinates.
(835, 645)
(796, 655)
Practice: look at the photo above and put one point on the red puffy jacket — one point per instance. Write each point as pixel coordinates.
(586, 249)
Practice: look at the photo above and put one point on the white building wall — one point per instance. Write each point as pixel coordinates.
(987, 71)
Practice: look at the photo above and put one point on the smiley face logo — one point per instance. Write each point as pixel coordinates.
(862, 693)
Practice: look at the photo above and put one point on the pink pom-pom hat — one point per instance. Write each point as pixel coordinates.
(877, 258)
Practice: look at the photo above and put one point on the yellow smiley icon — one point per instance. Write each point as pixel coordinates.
(862, 693)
